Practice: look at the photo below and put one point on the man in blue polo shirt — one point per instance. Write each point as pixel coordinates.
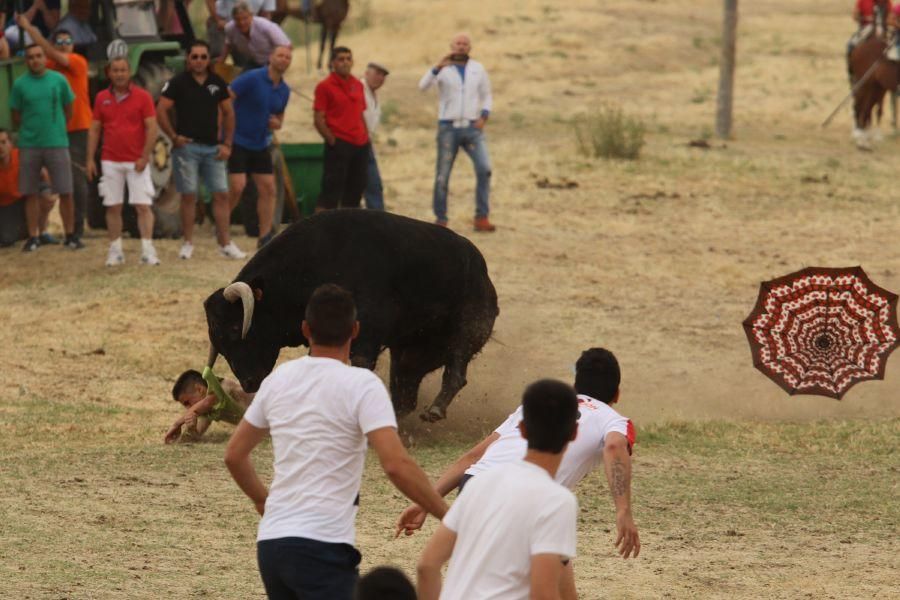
(260, 99)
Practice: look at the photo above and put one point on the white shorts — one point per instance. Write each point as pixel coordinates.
(116, 175)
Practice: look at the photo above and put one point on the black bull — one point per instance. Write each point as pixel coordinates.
(421, 291)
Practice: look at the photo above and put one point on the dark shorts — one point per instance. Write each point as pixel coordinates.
(244, 160)
(296, 567)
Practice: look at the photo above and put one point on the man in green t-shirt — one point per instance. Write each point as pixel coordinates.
(41, 102)
(203, 405)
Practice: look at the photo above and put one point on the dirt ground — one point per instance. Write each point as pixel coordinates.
(658, 259)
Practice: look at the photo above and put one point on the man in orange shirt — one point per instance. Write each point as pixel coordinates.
(12, 207)
(74, 67)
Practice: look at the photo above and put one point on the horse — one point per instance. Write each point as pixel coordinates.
(330, 14)
(885, 75)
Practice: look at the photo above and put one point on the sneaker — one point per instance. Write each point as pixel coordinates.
(148, 256)
(114, 257)
(31, 244)
(482, 224)
(187, 251)
(46, 239)
(232, 251)
(73, 242)
(265, 239)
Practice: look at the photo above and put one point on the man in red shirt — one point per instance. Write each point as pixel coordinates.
(125, 113)
(61, 57)
(338, 116)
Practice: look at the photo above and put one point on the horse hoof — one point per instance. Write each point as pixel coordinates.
(432, 415)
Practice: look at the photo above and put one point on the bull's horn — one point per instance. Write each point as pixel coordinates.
(241, 290)
(213, 355)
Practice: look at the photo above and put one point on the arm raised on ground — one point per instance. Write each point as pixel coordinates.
(414, 516)
(617, 463)
(403, 471)
(237, 458)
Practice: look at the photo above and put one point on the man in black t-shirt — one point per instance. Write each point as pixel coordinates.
(197, 96)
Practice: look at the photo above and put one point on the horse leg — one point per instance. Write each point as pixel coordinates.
(322, 45)
(333, 36)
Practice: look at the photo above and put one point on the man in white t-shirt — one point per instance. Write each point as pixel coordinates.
(321, 413)
(603, 434)
(511, 534)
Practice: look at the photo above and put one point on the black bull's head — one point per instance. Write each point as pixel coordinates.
(249, 346)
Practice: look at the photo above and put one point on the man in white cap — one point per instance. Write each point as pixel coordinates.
(373, 79)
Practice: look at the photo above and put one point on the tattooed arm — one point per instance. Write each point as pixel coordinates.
(617, 463)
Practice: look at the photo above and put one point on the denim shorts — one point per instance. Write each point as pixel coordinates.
(193, 159)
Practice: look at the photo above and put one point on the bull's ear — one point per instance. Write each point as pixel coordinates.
(257, 286)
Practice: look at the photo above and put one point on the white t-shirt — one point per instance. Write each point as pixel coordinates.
(597, 420)
(318, 412)
(505, 516)
(372, 114)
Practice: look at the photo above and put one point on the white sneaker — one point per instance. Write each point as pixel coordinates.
(232, 251)
(149, 257)
(187, 251)
(114, 257)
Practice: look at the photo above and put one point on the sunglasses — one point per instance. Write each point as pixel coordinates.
(199, 56)
(64, 42)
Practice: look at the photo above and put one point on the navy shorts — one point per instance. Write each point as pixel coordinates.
(296, 567)
(244, 160)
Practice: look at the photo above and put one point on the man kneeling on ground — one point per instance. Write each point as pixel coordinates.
(204, 407)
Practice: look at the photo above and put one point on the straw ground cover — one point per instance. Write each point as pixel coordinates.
(736, 510)
(658, 259)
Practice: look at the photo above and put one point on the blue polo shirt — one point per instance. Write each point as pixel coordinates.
(256, 99)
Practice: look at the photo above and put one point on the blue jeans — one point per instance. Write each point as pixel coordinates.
(295, 567)
(192, 160)
(374, 193)
(449, 141)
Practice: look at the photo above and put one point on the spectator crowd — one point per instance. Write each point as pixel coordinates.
(221, 132)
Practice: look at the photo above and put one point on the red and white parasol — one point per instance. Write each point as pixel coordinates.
(821, 330)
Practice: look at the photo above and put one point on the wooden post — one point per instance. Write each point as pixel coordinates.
(726, 71)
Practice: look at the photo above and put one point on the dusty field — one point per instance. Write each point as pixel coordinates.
(658, 259)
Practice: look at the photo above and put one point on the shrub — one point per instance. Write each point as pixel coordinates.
(609, 133)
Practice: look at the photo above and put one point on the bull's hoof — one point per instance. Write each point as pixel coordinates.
(433, 414)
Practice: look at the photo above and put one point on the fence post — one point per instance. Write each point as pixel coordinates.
(726, 71)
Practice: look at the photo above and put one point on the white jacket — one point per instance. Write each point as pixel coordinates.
(460, 100)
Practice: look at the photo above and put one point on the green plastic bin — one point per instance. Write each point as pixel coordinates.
(304, 163)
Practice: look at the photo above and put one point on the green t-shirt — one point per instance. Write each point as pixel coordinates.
(41, 101)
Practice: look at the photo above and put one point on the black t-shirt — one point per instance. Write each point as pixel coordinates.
(197, 106)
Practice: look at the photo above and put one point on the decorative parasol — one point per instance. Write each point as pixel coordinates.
(822, 330)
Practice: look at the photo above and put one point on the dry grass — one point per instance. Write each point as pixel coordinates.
(658, 259)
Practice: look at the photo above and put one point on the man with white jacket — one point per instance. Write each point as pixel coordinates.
(465, 105)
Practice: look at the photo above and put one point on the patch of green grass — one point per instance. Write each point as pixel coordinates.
(609, 133)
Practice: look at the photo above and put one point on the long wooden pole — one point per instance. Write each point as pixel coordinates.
(725, 99)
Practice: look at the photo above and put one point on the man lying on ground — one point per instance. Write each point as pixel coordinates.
(204, 406)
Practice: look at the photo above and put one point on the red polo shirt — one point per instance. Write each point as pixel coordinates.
(123, 122)
(343, 102)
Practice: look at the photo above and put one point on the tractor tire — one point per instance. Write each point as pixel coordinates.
(247, 206)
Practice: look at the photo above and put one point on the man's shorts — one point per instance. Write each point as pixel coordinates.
(57, 163)
(244, 160)
(193, 159)
(116, 175)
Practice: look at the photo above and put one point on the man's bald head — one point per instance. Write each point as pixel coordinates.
(461, 43)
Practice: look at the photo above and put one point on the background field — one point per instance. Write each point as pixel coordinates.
(740, 490)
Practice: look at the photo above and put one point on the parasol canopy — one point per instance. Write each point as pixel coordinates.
(822, 330)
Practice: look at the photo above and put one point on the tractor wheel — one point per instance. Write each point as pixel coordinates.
(249, 217)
